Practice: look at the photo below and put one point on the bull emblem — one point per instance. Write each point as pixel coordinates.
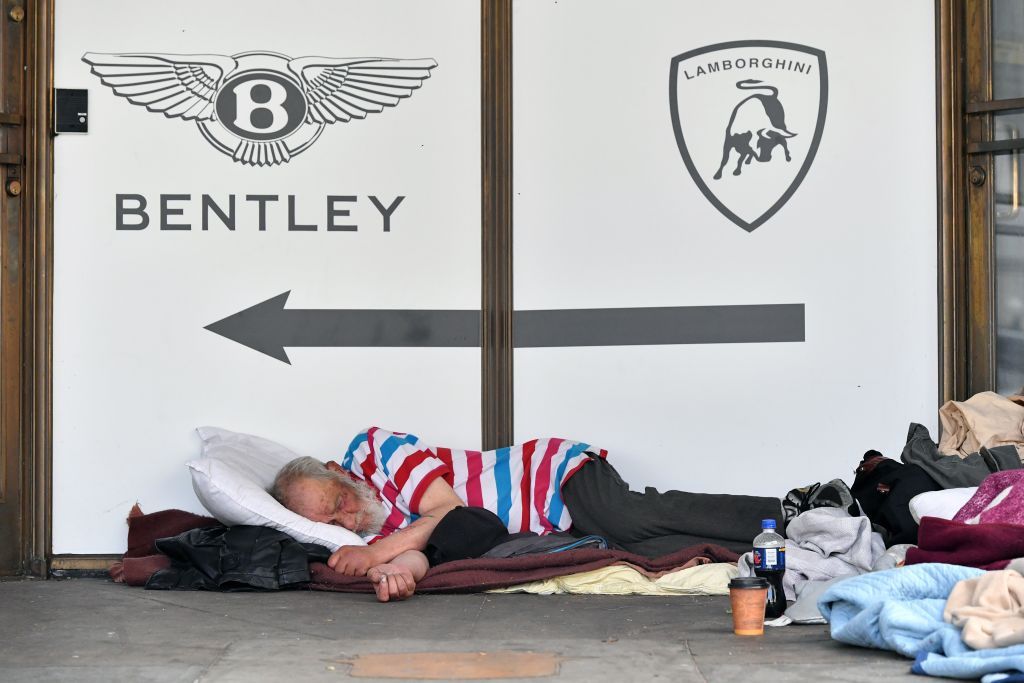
(758, 121)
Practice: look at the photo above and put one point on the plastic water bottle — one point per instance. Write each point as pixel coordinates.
(770, 563)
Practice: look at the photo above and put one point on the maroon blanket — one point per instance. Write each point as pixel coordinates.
(465, 576)
(985, 546)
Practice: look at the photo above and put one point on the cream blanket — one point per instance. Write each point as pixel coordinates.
(704, 579)
(985, 419)
(989, 610)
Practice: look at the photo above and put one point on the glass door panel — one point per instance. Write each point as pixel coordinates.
(1007, 49)
(1009, 272)
(1002, 138)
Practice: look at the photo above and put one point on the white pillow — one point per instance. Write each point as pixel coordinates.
(232, 477)
(944, 503)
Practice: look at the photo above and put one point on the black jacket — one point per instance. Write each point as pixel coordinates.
(238, 558)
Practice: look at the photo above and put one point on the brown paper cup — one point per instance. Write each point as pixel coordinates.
(748, 597)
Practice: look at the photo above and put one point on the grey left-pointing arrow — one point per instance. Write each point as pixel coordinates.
(268, 327)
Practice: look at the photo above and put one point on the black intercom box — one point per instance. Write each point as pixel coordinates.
(71, 111)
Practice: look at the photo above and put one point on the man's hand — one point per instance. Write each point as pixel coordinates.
(353, 560)
(392, 582)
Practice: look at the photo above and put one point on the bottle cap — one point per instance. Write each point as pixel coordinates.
(767, 523)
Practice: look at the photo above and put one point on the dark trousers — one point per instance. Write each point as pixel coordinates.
(653, 523)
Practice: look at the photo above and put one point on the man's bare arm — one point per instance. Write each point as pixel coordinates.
(437, 501)
(396, 580)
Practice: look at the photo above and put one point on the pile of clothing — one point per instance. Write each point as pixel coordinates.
(934, 568)
(954, 621)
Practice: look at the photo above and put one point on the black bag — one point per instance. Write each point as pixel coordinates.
(469, 532)
(884, 487)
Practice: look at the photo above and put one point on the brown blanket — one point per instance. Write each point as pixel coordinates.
(463, 576)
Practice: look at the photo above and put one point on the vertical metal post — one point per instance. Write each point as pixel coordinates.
(496, 271)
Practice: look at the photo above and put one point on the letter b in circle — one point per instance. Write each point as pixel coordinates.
(260, 106)
(246, 106)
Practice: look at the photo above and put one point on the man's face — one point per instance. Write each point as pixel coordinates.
(330, 501)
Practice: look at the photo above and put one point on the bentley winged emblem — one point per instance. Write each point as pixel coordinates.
(260, 108)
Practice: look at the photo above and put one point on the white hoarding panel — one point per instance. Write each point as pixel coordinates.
(238, 152)
(735, 210)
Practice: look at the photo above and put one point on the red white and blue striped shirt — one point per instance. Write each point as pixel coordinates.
(521, 484)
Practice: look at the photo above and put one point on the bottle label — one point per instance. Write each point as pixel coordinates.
(770, 558)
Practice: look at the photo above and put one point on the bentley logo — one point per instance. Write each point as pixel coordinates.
(748, 117)
(260, 108)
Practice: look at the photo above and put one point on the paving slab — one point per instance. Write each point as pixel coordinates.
(86, 630)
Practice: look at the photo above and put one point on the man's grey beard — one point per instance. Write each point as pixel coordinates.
(371, 515)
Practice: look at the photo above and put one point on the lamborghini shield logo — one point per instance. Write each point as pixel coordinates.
(748, 117)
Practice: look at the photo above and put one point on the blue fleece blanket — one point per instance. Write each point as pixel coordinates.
(901, 610)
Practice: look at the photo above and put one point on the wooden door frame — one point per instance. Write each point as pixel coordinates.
(35, 324)
(966, 232)
(12, 228)
(25, 327)
(951, 199)
(976, 271)
(966, 113)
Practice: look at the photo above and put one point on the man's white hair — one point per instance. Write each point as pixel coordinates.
(303, 467)
(371, 515)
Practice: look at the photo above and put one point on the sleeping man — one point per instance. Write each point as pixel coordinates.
(394, 490)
